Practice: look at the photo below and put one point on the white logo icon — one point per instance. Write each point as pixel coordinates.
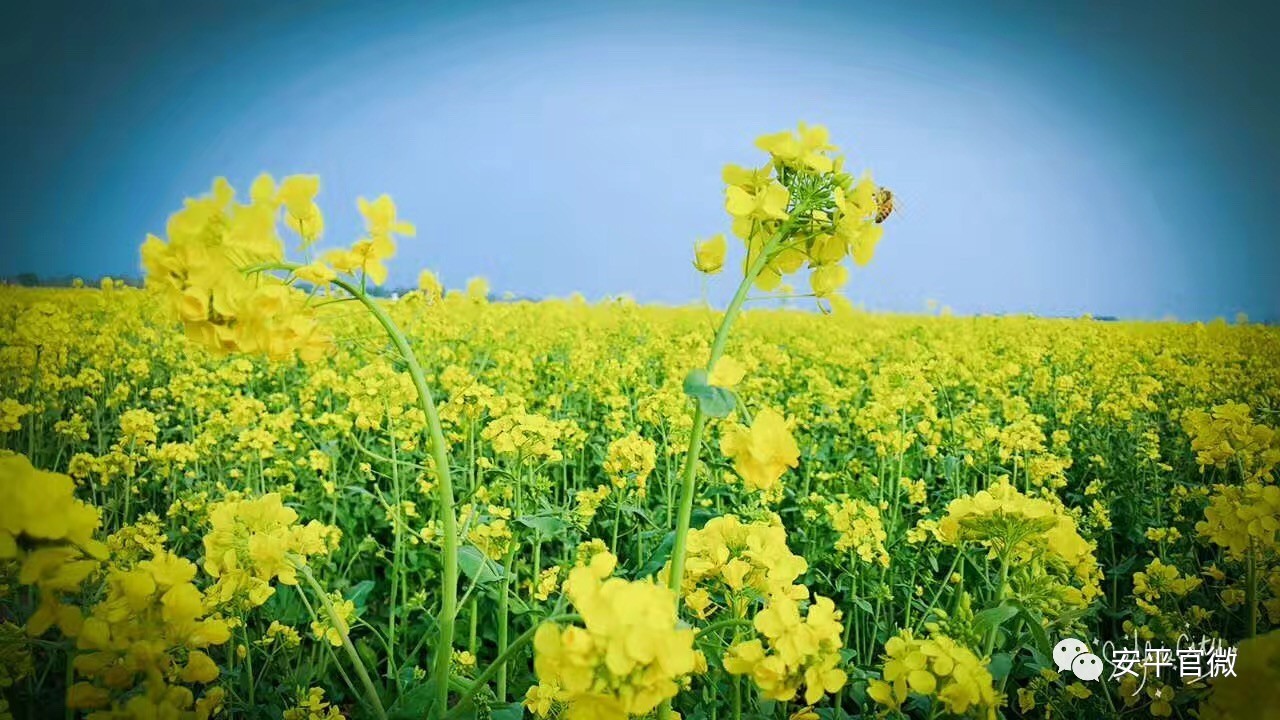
(1087, 667)
(1072, 655)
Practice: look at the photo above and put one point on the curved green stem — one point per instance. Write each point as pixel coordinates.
(448, 515)
(371, 692)
(689, 471)
(502, 659)
(720, 625)
(440, 457)
(328, 648)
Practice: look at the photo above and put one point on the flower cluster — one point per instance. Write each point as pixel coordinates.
(256, 540)
(1243, 519)
(331, 626)
(1022, 529)
(50, 532)
(728, 557)
(15, 663)
(792, 650)
(1226, 437)
(547, 583)
(629, 657)
(365, 256)
(150, 629)
(935, 667)
(138, 426)
(313, 707)
(629, 460)
(206, 271)
(11, 414)
(430, 287)
(490, 531)
(524, 435)
(1159, 580)
(587, 504)
(799, 209)
(860, 529)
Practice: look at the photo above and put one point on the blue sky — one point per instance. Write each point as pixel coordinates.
(1050, 158)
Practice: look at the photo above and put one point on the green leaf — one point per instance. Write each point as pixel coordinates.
(1123, 568)
(366, 652)
(659, 556)
(991, 618)
(477, 566)
(287, 607)
(516, 605)
(545, 525)
(697, 377)
(358, 594)
(414, 704)
(405, 676)
(713, 401)
(701, 516)
(1000, 665)
(1038, 635)
(512, 711)
(635, 510)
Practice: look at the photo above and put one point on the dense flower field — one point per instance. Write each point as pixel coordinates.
(281, 511)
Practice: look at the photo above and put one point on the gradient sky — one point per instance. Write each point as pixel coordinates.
(1056, 158)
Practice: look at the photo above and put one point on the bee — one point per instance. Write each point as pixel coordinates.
(884, 204)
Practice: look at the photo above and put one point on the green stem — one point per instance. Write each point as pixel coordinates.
(448, 516)
(731, 622)
(685, 511)
(397, 566)
(474, 618)
(1251, 591)
(70, 712)
(941, 587)
(248, 662)
(537, 559)
(1000, 594)
(880, 589)
(689, 472)
(737, 698)
(371, 693)
(502, 660)
(617, 520)
(504, 607)
(688, 475)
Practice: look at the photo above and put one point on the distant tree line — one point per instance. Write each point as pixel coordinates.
(29, 279)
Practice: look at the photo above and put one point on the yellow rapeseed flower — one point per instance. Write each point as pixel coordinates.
(708, 255)
(629, 657)
(762, 452)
